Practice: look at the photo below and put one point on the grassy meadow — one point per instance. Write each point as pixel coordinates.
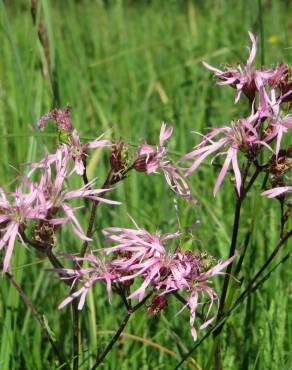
(124, 67)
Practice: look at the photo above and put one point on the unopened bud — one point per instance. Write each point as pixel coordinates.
(140, 164)
(44, 233)
(158, 304)
(64, 137)
(286, 85)
(163, 271)
(207, 262)
(119, 157)
(249, 90)
(281, 165)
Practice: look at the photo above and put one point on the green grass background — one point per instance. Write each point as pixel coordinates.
(125, 66)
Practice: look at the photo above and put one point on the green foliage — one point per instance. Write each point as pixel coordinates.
(125, 66)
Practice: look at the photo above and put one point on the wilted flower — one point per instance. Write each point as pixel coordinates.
(285, 85)
(71, 145)
(61, 117)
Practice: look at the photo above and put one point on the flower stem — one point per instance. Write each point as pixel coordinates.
(282, 218)
(110, 180)
(75, 322)
(216, 345)
(229, 268)
(75, 311)
(39, 318)
(266, 264)
(236, 223)
(95, 203)
(120, 330)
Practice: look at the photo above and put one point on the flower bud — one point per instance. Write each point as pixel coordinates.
(140, 164)
(119, 157)
(158, 304)
(64, 136)
(207, 262)
(283, 164)
(44, 233)
(286, 85)
(163, 271)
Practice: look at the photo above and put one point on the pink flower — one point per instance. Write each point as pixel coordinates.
(15, 215)
(277, 128)
(275, 192)
(198, 286)
(145, 255)
(155, 157)
(246, 78)
(139, 242)
(241, 136)
(45, 163)
(278, 125)
(77, 150)
(52, 191)
(98, 270)
(151, 158)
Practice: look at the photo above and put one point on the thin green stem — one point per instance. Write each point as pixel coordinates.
(75, 322)
(95, 203)
(120, 330)
(216, 349)
(261, 23)
(267, 263)
(282, 218)
(110, 180)
(39, 318)
(235, 230)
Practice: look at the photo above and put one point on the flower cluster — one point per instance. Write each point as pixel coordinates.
(248, 136)
(46, 203)
(137, 254)
(134, 262)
